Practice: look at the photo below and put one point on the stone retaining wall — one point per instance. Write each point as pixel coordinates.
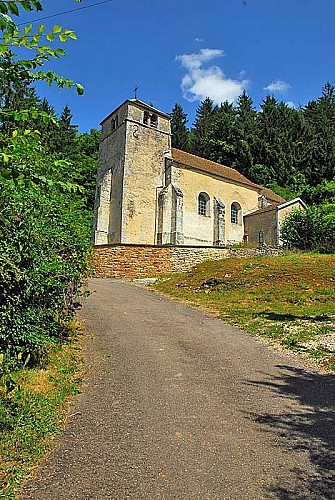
(146, 261)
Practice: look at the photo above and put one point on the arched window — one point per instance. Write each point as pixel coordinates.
(235, 213)
(150, 119)
(203, 204)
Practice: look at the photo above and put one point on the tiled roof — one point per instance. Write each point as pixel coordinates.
(211, 167)
(262, 210)
(272, 196)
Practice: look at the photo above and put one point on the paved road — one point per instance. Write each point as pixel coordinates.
(176, 405)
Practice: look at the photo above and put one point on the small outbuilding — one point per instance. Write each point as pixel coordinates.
(263, 225)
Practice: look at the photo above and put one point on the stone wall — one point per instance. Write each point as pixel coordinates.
(145, 261)
(262, 221)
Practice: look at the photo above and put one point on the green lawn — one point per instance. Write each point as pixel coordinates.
(289, 299)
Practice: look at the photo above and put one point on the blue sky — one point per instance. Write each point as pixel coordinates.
(183, 50)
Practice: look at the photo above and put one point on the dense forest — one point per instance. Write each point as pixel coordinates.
(291, 151)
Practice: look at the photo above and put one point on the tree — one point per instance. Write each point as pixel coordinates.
(319, 138)
(279, 136)
(199, 143)
(44, 230)
(84, 157)
(310, 229)
(221, 135)
(65, 133)
(178, 128)
(245, 134)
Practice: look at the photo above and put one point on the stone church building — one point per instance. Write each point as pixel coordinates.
(150, 193)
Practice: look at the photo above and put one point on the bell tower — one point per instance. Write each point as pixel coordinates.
(135, 140)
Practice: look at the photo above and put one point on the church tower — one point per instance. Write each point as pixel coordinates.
(136, 139)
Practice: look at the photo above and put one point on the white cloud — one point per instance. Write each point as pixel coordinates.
(290, 104)
(191, 61)
(199, 82)
(278, 86)
(198, 39)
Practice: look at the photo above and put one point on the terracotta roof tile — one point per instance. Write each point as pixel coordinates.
(209, 166)
(212, 167)
(271, 195)
(262, 210)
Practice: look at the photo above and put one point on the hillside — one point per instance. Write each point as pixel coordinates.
(288, 300)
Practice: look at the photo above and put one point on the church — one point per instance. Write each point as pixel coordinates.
(149, 193)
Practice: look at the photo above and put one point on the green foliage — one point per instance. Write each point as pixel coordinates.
(311, 229)
(14, 69)
(245, 134)
(178, 128)
(43, 250)
(319, 116)
(44, 225)
(32, 408)
(291, 150)
(44, 245)
(199, 139)
(285, 192)
(221, 135)
(322, 193)
(84, 153)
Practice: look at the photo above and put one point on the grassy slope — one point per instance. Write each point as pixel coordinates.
(32, 409)
(289, 299)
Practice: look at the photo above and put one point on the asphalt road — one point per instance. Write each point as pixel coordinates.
(177, 405)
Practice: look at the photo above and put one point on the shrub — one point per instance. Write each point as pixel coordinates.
(44, 248)
(312, 229)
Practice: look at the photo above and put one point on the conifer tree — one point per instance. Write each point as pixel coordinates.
(178, 128)
(278, 131)
(245, 134)
(319, 138)
(66, 132)
(221, 135)
(199, 144)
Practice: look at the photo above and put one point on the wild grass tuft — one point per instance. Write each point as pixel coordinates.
(33, 403)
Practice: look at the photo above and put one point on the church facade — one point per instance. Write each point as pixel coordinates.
(150, 193)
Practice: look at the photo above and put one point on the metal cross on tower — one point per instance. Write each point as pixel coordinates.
(135, 91)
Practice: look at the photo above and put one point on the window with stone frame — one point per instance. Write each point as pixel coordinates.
(203, 204)
(235, 213)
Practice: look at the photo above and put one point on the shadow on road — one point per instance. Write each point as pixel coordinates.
(311, 430)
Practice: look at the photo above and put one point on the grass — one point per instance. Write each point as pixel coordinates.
(33, 405)
(287, 299)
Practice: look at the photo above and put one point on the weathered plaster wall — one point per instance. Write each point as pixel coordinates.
(108, 203)
(129, 176)
(143, 176)
(143, 261)
(199, 229)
